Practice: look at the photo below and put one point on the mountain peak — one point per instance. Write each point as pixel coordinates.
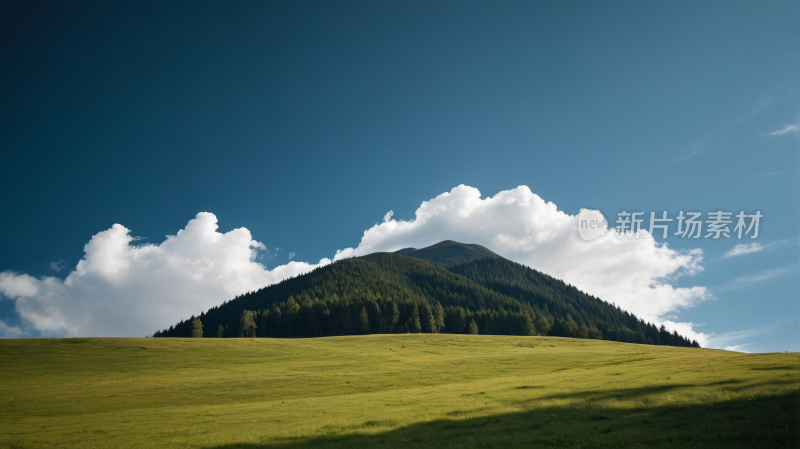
(449, 253)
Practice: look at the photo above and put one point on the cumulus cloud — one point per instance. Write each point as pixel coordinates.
(120, 289)
(787, 128)
(388, 216)
(688, 330)
(7, 331)
(634, 274)
(743, 248)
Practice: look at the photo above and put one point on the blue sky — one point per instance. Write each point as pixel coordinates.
(306, 122)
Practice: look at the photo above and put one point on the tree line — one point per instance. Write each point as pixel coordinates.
(388, 293)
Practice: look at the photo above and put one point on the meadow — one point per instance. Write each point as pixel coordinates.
(381, 391)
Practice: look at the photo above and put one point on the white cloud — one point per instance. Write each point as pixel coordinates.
(686, 329)
(743, 249)
(743, 281)
(7, 331)
(738, 348)
(521, 226)
(388, 216)
(291, 255)
(762, 276)
(18, 284)
(724, 340)
(119, 289)
(58, 266)
(787, 128)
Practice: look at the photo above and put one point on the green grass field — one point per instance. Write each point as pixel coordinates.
(381, 391)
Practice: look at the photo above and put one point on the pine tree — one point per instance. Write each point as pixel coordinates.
(542, 325)
(363, 321)
(571, 327)
(473, 328)
(395, 316)
(665, 336)
(426, 319)
(438, 315)
(415, 325)
(528, 328)
(457, 320)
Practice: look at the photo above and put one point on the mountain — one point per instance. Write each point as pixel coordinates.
(449, 253)
(411, 291)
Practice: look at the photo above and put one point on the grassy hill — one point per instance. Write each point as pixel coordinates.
(386, 391)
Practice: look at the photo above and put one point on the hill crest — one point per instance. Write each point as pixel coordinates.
(449, 253)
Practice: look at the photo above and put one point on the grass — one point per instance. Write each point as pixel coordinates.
(382, 391)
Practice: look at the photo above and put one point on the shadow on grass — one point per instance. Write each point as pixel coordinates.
(769, 422)
(615, 393)
(775, 368)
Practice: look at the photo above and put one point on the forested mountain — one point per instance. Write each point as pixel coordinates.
(396, 293)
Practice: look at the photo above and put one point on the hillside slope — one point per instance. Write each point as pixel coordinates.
(391, 391)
